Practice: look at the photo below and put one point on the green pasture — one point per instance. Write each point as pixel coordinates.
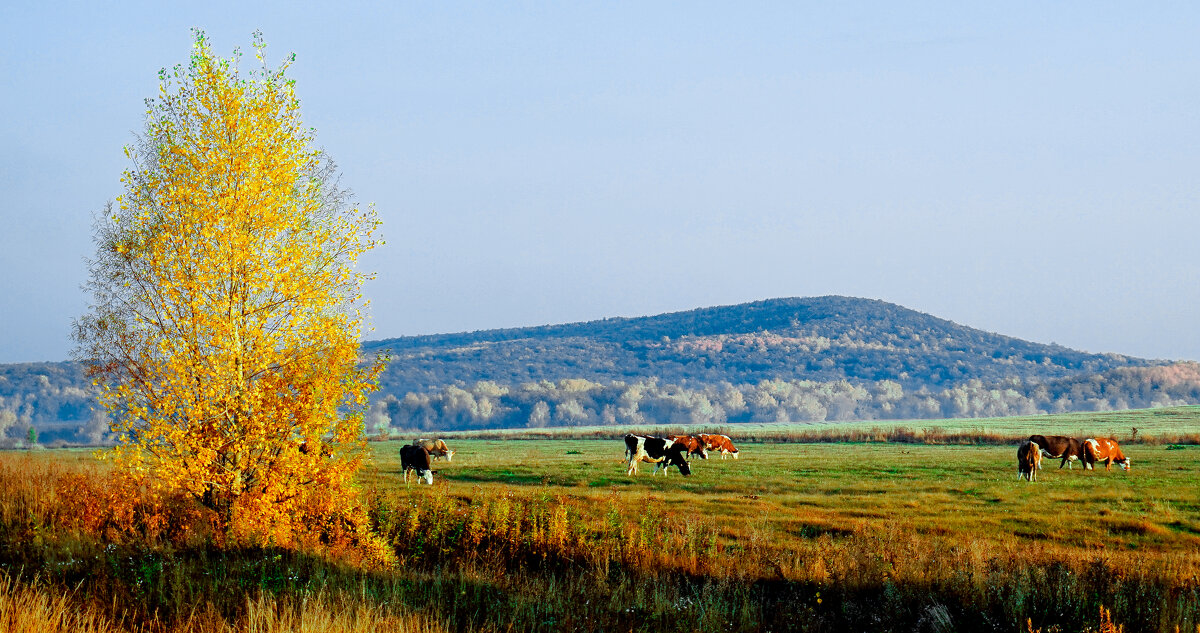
(1170, 421)
(801, 491)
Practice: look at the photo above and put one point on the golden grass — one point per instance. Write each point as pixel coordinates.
(30, 609)
(35, 608)
(522, 535)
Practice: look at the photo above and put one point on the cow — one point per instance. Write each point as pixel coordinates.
(720, 443)
(1055, 446)
(416, 458)
(1029, 460)
(1103, 449)
(437, 448)
(659, 451)
(693, 445)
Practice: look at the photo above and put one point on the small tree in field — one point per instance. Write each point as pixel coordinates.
(226, 305)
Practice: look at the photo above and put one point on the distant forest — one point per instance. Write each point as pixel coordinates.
(786, 360)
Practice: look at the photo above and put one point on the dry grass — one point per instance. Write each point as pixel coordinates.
(552, 535)
(35, 608)
(32, 609)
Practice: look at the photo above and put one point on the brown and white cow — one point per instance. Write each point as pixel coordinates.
(720, 443)
(659, 451)
(437, 448)
(1068, 448)
(1029, 460)
(1103, 449)
(693, 445)
(416, 458)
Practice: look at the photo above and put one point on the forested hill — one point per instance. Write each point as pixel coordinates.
(787, 360)
(819, 339)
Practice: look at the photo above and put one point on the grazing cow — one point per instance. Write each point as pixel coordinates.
(416, 458)
(1103, 449)
(693, 445)
(655, 450)
(720, 443)
(1068, 448)
(1029, 460)
(436, 448)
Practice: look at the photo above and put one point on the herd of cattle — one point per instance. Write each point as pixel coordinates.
(661, 451)
(674, 450)
(1089, 451)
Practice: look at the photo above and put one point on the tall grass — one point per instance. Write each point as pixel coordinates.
(500, 560)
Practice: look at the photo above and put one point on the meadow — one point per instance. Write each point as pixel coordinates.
(549, 534)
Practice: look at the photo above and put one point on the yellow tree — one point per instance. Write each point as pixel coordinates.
(227, 305)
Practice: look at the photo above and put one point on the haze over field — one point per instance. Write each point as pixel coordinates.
(1021, 168)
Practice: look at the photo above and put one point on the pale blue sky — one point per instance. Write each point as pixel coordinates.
(1024, 169)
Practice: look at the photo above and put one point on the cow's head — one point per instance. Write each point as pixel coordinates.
(426, 476)
(1125, 464)
(676, 457)
(449, 455)
(703, 452)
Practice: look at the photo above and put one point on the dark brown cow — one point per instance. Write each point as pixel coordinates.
(1103, 449)
(1068, 448)
(693, 445)
(720, 443)
(1029, 460)
(437, 448)
(416, 458)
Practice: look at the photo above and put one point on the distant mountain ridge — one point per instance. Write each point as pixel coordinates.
(794, 359)
(817, 338)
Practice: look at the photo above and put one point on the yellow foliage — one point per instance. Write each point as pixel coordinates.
(227, 305)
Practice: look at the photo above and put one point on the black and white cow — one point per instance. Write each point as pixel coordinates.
(416, 458)
(655, 450)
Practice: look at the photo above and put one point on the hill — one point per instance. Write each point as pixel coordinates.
(821, 338)
(778, 360)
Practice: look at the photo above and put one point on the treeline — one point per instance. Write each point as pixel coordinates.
(53, 400)
(579, 402)
(48, 397)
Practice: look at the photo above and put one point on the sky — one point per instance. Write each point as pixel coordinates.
(1023, 168)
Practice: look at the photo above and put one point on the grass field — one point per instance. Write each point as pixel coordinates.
(797, 491)
(549, 534)
(1153, 426)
